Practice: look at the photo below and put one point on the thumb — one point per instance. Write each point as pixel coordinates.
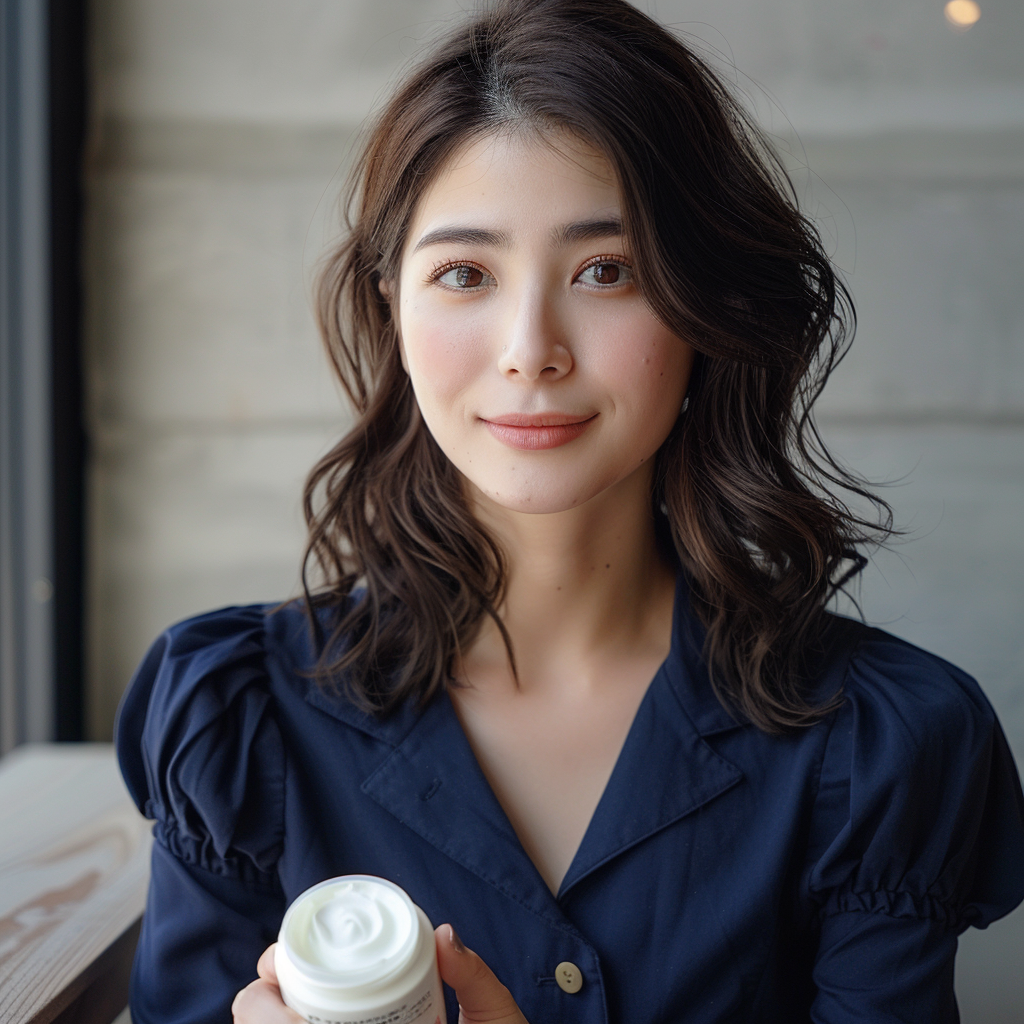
(266, 968)
(482, 998)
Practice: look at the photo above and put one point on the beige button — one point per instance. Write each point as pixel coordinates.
(569, 977)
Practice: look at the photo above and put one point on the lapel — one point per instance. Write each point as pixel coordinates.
(666, 769)
(431, 782)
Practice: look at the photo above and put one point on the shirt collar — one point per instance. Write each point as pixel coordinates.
(431, 781)
(665, 770)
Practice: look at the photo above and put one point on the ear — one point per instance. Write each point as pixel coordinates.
(385, 288)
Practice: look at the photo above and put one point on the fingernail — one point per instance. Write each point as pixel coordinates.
(454, 939)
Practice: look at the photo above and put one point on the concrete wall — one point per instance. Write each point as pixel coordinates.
(220, 128)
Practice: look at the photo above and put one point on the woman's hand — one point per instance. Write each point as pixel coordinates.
(260, 1001)
(482, 998)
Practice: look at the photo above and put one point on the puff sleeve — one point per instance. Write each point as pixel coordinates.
(918, 833)
(201, 754)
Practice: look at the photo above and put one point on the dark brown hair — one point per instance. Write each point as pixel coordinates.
(745, 488)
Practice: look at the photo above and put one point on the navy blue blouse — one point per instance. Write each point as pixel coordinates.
(726, 875)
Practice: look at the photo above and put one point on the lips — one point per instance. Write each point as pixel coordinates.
(538, 431)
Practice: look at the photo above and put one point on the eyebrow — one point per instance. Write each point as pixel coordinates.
(465, 236)
(567, 234)
(585, 230)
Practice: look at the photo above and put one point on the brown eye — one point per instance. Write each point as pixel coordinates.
(462, 277)
(606, 274)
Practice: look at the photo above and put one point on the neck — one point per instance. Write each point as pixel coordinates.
(583, 585)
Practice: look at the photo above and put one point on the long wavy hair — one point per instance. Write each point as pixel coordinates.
(398, 573)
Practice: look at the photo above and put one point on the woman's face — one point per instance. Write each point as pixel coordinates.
(538, 368)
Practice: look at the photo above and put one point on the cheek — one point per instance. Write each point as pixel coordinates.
(650, 368)
(443, 356)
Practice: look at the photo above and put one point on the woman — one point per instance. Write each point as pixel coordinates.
(566, 672)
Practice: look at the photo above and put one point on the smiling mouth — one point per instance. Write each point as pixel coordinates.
(538, 431)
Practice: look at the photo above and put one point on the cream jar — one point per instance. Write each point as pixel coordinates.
(357, 950)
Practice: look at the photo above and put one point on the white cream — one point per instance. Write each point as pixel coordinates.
(355, 948)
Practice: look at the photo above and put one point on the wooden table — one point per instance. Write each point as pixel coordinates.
(74, 865)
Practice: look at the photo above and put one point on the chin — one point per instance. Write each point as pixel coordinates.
(530, 503)
(532, 498)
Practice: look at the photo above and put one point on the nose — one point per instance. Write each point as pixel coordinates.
(535, 346)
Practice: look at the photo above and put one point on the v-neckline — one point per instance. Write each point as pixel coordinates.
(617, 770)
(454, 711)
(617, 795)
(432, 782)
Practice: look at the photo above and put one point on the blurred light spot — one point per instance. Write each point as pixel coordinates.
(42, 590)
(962, 13)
